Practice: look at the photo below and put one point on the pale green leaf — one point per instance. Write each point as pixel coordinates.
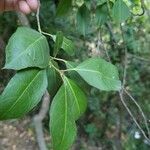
(67, 45)
(27, 48)
(23, 93)
(120, 11)
(100, 74)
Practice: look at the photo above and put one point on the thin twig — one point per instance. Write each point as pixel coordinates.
(127, 108)
(38, 17)
(141, 111)
(125, 57)
(121, 92)
(139, 58)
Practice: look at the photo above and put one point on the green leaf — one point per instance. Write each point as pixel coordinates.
(76, 97)
(100, 74)
(101, 14)
(76, 77)
(27, 48)
(83, 19)
(68, 104)
(67, 45)
(120, 11)
(58, 42)
(62, 127)
(63, 7)
(54, 79)
(101, 2)
(23, 93)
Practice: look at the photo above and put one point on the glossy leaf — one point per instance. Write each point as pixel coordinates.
(68, 104)
(100, 74)
(120, 11)
(23, 93)
(27, 48)
(63, 7)
(83, 19)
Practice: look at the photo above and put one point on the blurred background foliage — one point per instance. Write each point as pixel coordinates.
(94, 32)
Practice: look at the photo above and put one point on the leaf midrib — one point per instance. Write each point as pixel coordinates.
(21, 95)
(28, 48)
(65, 119)
(74, 96)
(86, 70)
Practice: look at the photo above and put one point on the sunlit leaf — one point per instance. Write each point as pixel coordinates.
(100, 74)
(27, 48)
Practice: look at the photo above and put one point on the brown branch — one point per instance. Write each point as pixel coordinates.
(121, 92)
(38, 119)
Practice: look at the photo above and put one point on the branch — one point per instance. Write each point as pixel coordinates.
(38, 17)
(121, 92)
(38, 119)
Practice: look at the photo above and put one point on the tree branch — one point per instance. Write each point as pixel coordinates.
(38, 119)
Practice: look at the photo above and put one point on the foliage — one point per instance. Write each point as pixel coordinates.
(62, 65)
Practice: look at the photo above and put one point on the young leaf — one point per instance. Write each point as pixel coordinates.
(67, 45)
(27, 48)
(83, 19)
(120, 11)
(100, 74)
(68, 104)
(63, 7)
(23, 93)
(58, 42)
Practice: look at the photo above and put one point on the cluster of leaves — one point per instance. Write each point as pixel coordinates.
(28, 52)
(97, 11)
